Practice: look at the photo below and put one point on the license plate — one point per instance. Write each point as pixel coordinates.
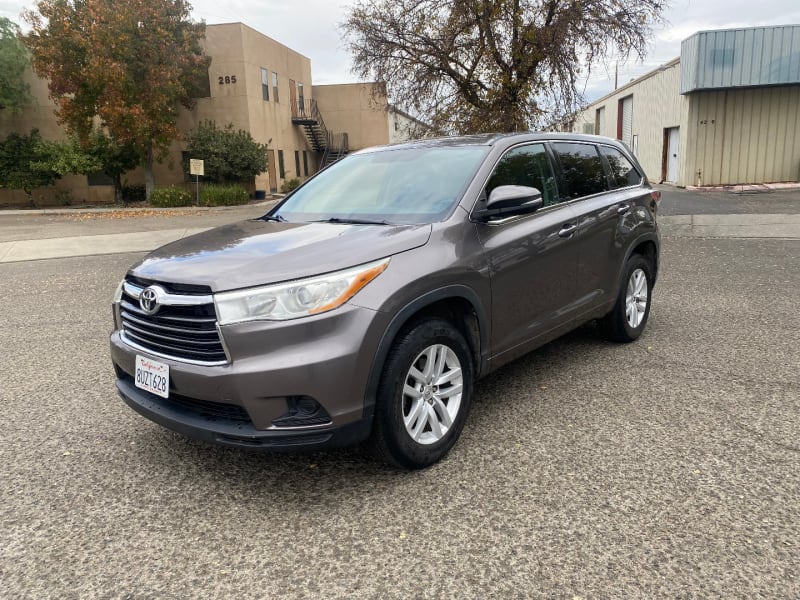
(152, 376)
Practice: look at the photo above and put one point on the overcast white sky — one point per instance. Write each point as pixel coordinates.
(311, 28)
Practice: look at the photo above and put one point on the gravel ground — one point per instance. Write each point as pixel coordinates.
(665, 468)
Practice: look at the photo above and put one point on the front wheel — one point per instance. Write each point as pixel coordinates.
(628, 318)
(424, 395)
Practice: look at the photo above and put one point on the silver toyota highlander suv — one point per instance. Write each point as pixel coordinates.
(366, 304)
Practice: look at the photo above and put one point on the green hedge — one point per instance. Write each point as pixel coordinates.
(223, 195)
(171, 196)
(290, 185)
(133, 193)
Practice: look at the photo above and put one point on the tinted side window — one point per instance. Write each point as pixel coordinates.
(582, 168)
(623, 173)
(526, 165)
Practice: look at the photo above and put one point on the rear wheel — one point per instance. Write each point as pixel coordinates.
(628, 318)
(424, 395)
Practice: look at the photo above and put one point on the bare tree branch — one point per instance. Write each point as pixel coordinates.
(480, 65)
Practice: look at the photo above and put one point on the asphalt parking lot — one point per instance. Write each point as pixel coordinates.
(665, 468)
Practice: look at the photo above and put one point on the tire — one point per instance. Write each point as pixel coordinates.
(420, 409)
(627, 320)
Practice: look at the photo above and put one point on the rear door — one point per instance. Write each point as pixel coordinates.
(603, 186)
(532, 258)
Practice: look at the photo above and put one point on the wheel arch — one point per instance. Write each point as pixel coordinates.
(457, 303)
(647, 246)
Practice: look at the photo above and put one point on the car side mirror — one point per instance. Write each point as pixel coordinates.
(515, 196)
(512, 199)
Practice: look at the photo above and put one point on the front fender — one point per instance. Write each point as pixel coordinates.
(403, 316)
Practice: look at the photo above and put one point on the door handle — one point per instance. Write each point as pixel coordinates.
(623, 208)
(567, 230)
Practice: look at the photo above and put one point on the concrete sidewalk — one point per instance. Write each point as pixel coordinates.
(28, 236)
(90, 245)
(770, 226)
(756, 226)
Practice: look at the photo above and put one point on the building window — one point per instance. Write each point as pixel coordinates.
(720, 58)
(281, 168)
(305, 163)
(264, 83)
(275, 86)
(297, 162)
(202, 86)
(95, 179)
(300, 97)
(185, 163)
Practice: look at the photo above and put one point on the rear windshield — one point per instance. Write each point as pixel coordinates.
(408, 186)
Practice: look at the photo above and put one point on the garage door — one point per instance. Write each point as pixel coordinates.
(627, 120)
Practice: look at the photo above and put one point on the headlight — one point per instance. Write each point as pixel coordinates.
(295, 299)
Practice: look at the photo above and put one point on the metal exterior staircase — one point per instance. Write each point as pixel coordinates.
(331, 146)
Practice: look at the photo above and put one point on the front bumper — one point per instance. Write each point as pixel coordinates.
(236, 432)
(326, 357)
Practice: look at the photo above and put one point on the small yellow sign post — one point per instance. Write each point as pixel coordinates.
(197, 168)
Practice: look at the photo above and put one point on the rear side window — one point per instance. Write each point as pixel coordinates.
(529, 166)
(582, 168)
(622, 171)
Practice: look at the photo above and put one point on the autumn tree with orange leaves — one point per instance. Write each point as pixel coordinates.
(129, 64)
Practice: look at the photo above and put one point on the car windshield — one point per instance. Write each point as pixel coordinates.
(406, 185)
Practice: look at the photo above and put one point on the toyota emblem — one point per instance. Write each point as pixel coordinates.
(148, 300)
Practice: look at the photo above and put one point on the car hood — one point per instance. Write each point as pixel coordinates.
(259, 252)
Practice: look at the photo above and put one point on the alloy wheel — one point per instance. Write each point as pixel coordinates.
(636, 298)
(432, 394)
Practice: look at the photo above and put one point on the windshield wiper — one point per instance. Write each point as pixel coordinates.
(276, 218)
(353, 221)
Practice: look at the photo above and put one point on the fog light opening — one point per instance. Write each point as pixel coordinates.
(303, 411)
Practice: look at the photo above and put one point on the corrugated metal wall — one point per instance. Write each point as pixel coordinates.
(743, 136)
(741, 58)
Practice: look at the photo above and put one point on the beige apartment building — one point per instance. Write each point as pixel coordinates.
(726, 112)
(258, 85)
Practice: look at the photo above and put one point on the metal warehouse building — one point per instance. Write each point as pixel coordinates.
(726, 112)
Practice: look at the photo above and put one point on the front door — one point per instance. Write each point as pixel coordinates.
(672, 154)
(532, 258)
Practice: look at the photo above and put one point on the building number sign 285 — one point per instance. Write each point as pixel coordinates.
(223, 79)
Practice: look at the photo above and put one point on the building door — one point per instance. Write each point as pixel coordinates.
(600, 120)
(673, 143)
(293, 98)
(300, 97)
(273, 178)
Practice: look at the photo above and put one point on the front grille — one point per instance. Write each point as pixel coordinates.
(184, 332)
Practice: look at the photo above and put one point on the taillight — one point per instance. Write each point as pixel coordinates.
(656, 195)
